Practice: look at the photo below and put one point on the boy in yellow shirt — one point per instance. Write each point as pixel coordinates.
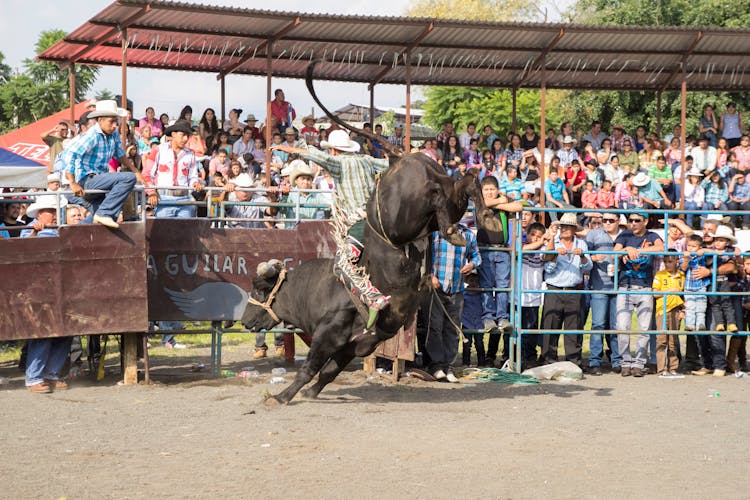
(669, 279)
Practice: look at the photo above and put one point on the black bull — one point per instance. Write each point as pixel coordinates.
(413, 198)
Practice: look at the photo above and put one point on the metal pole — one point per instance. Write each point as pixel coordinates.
(72, 101)
(542, 128)
(658, 113)
(407, 132)
(683, 118)
(513, 124)
(269, 71)
(372, 106)
(223, 102)
(124, 81)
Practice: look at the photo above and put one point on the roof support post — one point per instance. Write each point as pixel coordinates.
(372, 107)
(72, 70)
(513, 123)
(124, 80)
(407, 131)
(269, 74)
(542, 129)
(223, 102)
(683, 119)
(658, 113)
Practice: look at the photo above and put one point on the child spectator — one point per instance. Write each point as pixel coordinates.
(555, 193)
(622, 192)
(694, 194)
(220, 163)
(605, 198)
(695, 305)
(533, 278)
(471, 319)
(722, 311)
(737, 354)
(669, 279)
(513, 187)
(588, 198)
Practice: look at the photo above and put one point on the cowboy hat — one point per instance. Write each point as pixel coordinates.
(568, 140)
(54, 177)
(179, 126)
(725, 232)
(107, 108)
(570, 219)
(308, 118)
(290, 131)
(301, 170)
(641, 179)
(722, 219)
(694, 172)
(250, 118)
(44, 202)
(243, 181)
(339, 139)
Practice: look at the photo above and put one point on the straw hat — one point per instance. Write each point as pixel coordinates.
(641, 179)
(290, 131)
(45, 202)
(107, 108)
(243, 181)
(721, 219)
(250, 118)
(725, 232)
(568, 140)
(570, 219)
(308, 118)
(301, 170)
(339, 139)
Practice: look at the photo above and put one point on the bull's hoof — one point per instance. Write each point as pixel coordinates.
(488, 220)
(308, 394)
(453, 237)
(272, 402)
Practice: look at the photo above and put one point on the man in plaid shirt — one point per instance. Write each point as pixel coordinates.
(86, 165)
(450, 264)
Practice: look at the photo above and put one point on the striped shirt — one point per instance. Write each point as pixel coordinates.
(447, 259)
(695, 284)
(90, 152)
(354, 175)
(714, 193)
(567, 270)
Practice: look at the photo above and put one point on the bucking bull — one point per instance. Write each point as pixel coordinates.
(413, 198)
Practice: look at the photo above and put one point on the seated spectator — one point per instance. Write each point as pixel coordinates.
(704, 156)
(235, 169)
(662, 174)
(605, 198)
(575, 180)
(739, 198)
(555, 194)
(259, 151)
(233, 126)
(223, 143)
(309, 132)
(144, 140)
(605, 152)
(208, 127)
(244, 144)
(254, 212)
(196, 144)
(716, 196)
(650, 193)
(250, 121)
(472, 156)
(588, 197)
(150, 121)
(219, 163)
(513, 187)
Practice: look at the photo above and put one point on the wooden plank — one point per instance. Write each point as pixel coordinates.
(130, 357)
(368, 364)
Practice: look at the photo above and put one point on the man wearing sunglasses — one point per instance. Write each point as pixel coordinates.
(636, 275)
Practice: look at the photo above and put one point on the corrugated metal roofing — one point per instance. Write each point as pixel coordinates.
(181, 36)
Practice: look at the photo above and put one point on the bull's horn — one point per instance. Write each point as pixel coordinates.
(263, 269)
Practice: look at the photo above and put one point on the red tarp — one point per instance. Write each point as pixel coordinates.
(27, 141)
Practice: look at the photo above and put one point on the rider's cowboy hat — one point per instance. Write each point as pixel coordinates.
(339, 139)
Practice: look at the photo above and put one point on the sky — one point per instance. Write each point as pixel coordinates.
(169, 91)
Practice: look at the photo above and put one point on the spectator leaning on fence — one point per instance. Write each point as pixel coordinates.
(86, 163)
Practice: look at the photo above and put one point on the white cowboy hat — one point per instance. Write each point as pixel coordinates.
(42, 202)
(694, 172)
(339, 139)
(243, 181)
(108, 108)
(721, 219)
(301, 170)
(568, 140)
(641, 179)
(55, 177)
(570, 219)
(725, 232)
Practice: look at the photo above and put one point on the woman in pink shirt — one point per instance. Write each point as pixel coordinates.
(622, 192)
(151, 121)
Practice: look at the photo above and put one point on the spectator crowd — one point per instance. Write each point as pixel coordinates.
(597, 171)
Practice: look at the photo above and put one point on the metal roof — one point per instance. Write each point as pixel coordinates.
(223, 40)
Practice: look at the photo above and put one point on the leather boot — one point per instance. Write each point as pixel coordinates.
(734, 347)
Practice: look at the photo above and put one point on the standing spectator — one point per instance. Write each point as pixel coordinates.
(731, 126)
(446, 132)
(495, 269)
(670, 279)
(737, 354)
(282, 110)
(152, 122)
(174, 165)
(595, 135)
(209, 128)
(54, 139)
(86, 163)
(575, 180)
(742, 153)
(564, 271)
(708, 126)
(471, 133)
(397, 137)
(636, 276)
(695, 304)
(603, 305)
(450, 265)
(471, 319)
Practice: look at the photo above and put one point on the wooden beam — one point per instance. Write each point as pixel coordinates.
(542, 133)
(267, 43)
(269, 74)
(72, 76)
(683, 127)
(407, 50)
(130, 358)
(120, 26)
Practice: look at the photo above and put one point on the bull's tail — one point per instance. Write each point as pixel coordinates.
(392, 150)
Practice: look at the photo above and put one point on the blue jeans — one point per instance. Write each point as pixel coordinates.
(643, 306)
(119, 184)
(603, 317)
(45, 359)
(695, 311)
(691, 205)
(494, 272)
(164, 210)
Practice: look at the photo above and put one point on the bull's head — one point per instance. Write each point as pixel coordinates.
(256, 317)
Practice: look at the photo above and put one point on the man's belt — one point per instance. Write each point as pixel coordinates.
(553, 287)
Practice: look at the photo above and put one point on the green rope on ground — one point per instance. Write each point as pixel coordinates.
(501, 376)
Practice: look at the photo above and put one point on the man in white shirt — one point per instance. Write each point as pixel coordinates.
(471, 133)
(595, 135)
(704, 156)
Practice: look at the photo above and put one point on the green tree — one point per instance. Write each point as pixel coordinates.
(476, 10)
(104, 95)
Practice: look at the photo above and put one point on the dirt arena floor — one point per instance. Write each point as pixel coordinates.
(190, 436)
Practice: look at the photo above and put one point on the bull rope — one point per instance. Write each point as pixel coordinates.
(267, 304)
